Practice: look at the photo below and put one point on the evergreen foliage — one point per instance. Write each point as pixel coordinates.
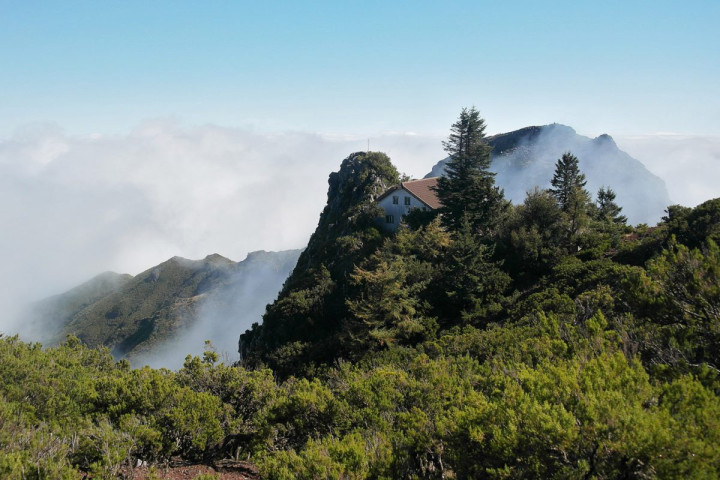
(567, 181)
(608, 210)
(467, 191)
(468, 284)
(693, 226)
(688, 287)
(302, 326)
(532, 236)
(569, 189)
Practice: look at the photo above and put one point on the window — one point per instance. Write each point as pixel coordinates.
(407, 200)
(395, 200)
(389, 219)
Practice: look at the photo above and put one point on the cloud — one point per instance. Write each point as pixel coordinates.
(689, 164)
(74, 206)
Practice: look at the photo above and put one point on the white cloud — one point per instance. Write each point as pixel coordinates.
(74, 206)
(689, 164)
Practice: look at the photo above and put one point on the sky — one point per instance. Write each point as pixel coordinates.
(362, 67)
(134, 131)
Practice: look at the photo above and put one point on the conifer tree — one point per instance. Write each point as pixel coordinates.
(569, 190)
(534, 235)
(468, 284)
(467, 191)
(607, 208)
(566, 180)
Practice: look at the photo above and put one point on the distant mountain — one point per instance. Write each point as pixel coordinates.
(525, 158)
(50, 315)
(168, 311)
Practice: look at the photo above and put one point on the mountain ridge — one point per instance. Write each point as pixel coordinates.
(525, 158)
(134, 315)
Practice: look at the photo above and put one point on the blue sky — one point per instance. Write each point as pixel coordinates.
(361, 68)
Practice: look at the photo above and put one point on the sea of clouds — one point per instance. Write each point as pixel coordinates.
(689, 164)
(74, 206)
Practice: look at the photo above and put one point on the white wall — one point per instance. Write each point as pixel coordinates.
(399, 210)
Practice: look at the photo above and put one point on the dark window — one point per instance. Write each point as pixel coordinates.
(407, 200)
(389, 219)
(395, 200)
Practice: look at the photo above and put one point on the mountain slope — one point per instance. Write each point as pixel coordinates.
(152, 306)
(50, 315)
(171, 307)
(304, 323)
(525, 158)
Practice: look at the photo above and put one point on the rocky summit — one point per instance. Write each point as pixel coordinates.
(526, 158)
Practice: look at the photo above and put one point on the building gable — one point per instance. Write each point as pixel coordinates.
(399, 200)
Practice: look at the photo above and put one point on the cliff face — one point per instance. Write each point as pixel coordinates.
(302, 323)
(525, 158)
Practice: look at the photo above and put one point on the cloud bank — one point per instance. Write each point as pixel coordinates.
(72, 207)
(689, 164)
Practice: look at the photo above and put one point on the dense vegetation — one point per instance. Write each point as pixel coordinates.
(541, 340)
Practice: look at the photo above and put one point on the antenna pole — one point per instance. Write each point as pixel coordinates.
(368, 145)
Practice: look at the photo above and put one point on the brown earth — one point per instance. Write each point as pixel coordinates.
(224, 470)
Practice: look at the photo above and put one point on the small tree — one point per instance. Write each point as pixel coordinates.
(688, 282)
(608, 210)
(568, 188)
(467, 191)
(566, 180)
(534, 235)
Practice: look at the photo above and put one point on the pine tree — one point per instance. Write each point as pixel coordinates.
(607, 208)
(467, 190)
(566, 180)
(568, 188)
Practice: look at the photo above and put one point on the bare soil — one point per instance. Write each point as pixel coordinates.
(225, 470)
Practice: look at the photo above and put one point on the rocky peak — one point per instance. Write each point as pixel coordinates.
(526, 158)
(605, 141)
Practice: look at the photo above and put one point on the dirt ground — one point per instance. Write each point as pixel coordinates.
(226, 470)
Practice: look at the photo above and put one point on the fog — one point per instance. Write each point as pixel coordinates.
(690, 164)
(642, 195)
(74, 206)
(226, 312)
(527, 159)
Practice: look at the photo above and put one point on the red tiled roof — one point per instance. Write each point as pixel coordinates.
(422, 189)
